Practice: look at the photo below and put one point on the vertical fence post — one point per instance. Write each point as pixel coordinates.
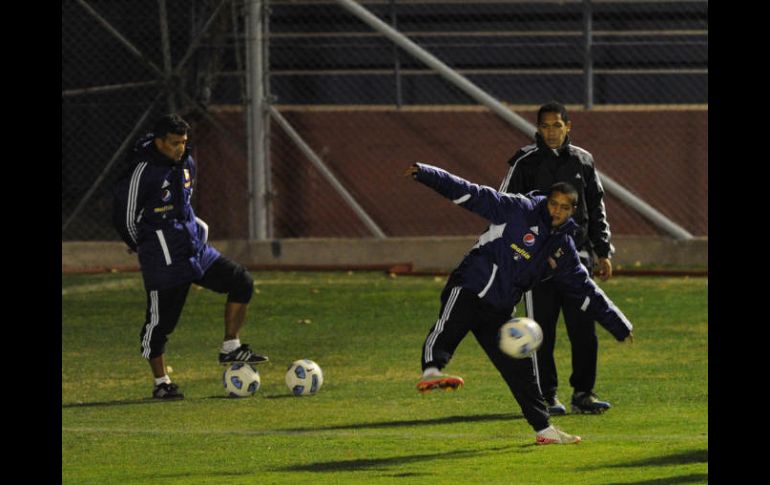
(396, 58)
(255, 123)
(588, 61)
(166, 46)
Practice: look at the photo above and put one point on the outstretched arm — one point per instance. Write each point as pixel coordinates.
(480, 199)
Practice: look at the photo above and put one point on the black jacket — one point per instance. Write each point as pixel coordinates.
(537, 167)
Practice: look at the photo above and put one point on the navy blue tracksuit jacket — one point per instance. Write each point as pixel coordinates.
(512, 255)
(153, 215)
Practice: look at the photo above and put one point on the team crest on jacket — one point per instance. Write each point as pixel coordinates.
(529, 239)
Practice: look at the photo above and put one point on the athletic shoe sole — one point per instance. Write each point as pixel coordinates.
(550, 441)
(577, 410)
(228, 362)
(445, 383)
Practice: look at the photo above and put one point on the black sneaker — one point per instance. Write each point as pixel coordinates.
(555, 407)
(167, 391)
(241, 354)
(587, 402)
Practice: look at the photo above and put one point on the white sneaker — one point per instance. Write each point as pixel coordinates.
(554, 436)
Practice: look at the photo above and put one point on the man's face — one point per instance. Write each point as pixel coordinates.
(553, 129)
(172, 146)
(560, 207)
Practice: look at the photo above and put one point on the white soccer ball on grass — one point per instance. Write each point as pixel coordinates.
(241, 380)
(304, 377)
(520, 337)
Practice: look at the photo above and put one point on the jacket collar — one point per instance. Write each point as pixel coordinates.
(541, 144)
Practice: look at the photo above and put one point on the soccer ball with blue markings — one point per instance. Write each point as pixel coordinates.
(520, 337)
(241, 380)
(304, 377)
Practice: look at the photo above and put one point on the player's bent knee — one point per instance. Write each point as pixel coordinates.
(242, 288)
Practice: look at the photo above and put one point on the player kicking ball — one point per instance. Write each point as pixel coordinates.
(528, 240)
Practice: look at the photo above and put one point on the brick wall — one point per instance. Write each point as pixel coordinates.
(660, 155)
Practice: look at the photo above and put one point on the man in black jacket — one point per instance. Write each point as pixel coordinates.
(553, 158)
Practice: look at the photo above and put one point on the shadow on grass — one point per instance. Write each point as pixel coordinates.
(122, 402)
(219, 473)
(380, 463)
(416, 422)
(684, 458)
(680, 480)
(145, 400)
(280, 396)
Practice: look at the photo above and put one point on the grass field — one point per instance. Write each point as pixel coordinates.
(367, 424)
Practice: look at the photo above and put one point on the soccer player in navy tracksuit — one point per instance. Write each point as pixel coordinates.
(153, 215)
(527, 242)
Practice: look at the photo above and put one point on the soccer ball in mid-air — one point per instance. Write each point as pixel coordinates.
(241, 380)
(304, 377)
(520, 337)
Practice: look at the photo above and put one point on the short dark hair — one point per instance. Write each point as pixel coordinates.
(553, 107)
(566, 189)
(170, 123)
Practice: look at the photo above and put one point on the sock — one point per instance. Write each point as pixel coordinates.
(230, 345)
(431, 371)
(543, 430)
(162, 380)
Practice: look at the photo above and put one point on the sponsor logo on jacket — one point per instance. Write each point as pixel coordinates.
(520, 251)
(164, 208)
(529, 239)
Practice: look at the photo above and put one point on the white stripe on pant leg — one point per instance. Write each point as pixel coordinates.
(529, 309)
(431, 340)
(154, 320)
(537, 372)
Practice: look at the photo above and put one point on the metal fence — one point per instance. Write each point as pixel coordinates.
(351, 109)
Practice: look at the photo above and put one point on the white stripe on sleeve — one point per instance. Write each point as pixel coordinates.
(133, 193)
(585, 304)
(462, 199)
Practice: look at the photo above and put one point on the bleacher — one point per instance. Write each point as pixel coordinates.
(521, 52)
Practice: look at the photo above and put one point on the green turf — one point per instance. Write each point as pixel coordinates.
(368, 424)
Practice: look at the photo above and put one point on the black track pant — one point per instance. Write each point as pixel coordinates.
(543, 306)
(165, 306)
(463, 311)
